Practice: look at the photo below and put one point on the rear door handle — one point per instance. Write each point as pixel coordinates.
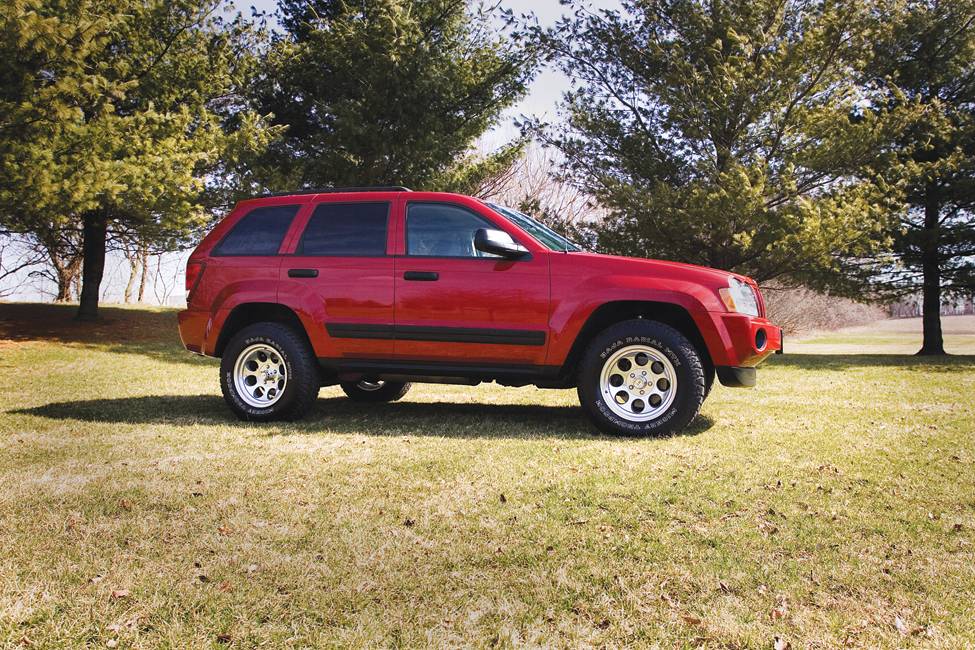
(421, 276)
(302, 273)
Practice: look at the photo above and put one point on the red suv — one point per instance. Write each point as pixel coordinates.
(374, 288)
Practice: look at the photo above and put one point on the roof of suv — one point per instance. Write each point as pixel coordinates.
(340, 190)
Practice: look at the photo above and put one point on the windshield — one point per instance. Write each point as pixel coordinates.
(545, 235)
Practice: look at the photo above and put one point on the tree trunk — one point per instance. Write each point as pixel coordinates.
(95, 225)
(64, 279)
(144, 261)
(133, 258)
(931, 311)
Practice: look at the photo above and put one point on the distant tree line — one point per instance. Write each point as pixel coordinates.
(826, 144)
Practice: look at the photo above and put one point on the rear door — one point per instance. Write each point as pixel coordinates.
(456, 304)
(340, 272)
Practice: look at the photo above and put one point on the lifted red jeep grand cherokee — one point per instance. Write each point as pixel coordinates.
(373, 288)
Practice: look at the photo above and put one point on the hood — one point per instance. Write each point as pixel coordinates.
(662, 268)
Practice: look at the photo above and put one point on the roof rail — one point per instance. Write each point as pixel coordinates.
(336, 190)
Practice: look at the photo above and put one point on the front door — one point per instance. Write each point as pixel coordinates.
(459, 305)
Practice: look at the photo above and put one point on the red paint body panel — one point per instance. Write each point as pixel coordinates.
(552, 293)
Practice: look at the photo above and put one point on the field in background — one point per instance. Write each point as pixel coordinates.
(833, 506)
(894, 336)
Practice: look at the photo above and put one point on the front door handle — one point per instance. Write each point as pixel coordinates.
(302, 273)
(421, 276)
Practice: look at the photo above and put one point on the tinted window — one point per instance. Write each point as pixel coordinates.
(352, 229)
(259, 232)
(442, 230)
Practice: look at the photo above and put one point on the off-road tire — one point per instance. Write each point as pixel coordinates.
(389, 391)
(687, 365)
(301, 390)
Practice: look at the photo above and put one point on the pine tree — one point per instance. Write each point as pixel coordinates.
(729, 133)
(118, 111)
(926, 59)
(387, 92)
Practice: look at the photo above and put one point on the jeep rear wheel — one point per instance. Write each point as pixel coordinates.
(641, 377)
(268, 372)
(375, 390)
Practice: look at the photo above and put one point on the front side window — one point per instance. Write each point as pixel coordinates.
(259, 232)
(443, 230)
(346, 229)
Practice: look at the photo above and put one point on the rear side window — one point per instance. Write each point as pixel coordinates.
(346, 229)
(259, 232)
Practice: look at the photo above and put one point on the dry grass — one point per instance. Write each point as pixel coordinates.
(832, 506)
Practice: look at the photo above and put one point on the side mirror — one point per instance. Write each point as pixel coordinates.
(498, 242)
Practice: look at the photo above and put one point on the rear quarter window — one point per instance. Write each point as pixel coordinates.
(259, 232)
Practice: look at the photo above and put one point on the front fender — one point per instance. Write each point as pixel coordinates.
(572, 309)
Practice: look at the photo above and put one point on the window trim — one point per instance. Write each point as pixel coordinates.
(299, 245)
(215, 251)
(494, 226)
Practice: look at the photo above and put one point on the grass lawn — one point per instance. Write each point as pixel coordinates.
(832, 506)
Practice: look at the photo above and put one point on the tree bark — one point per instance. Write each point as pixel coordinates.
(95, 226)
(133, 258)
(933, 343)
(144, 263)
(64, 279)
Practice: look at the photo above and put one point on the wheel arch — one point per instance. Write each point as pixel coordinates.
(610, 313)
(249, 313)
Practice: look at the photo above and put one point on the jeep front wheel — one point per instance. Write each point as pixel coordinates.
(268, 372)
(641, 377)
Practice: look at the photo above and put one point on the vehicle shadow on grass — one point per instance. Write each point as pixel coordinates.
(440, 419)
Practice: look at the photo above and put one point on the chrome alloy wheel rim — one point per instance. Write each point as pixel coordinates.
(638, 383)
(260, 375)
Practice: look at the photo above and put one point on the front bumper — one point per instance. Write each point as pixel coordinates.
(748, 341)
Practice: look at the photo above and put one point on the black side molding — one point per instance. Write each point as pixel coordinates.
(302, 273)
(735, 377)
(439, 334)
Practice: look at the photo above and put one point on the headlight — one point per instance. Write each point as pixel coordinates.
(739, 297)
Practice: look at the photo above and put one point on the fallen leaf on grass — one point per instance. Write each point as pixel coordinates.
(901, 626)
(224, 638)
(125, 504)
(768, 527)
(778, 612)
(691, 620)
(503, 498)
(118, 594)
(408, 522)
(225, 530)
